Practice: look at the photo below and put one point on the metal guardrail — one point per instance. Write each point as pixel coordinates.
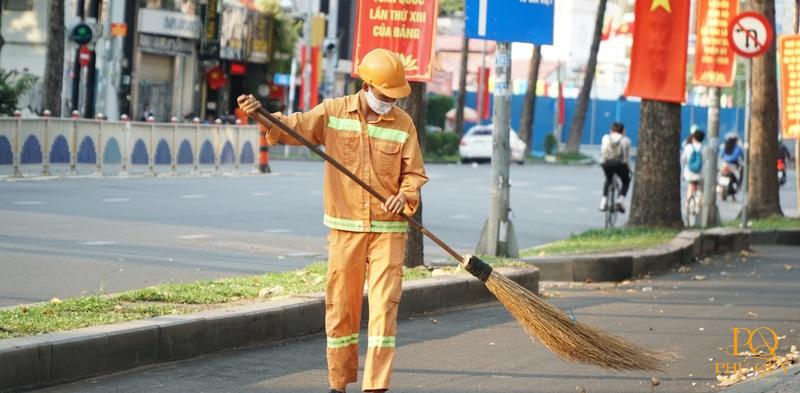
(48, 146)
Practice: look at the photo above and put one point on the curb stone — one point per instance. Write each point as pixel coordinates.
(686, 248)
(47, 359)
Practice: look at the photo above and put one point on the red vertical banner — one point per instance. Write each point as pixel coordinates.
(715, 61)
(789, 55)
(658, 56)
(314, 76)
(407, 27)
(483, 90)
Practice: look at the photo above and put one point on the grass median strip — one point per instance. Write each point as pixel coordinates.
(771, 223)
(604, 240)
(176, 298)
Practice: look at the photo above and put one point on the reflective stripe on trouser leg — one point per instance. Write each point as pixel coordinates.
(347, 259)
(385, 278)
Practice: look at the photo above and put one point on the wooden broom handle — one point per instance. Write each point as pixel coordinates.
(263, 117)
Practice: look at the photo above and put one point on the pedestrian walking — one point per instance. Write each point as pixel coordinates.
(375, 139)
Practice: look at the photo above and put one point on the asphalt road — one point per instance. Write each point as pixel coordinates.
(482, 349)
(61, 238)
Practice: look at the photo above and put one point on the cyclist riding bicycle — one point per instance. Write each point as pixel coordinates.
(615, 153)
(692, 161)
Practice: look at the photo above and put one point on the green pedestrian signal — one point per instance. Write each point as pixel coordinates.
(81, 34)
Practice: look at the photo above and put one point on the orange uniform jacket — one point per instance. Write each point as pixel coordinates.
(385, 154)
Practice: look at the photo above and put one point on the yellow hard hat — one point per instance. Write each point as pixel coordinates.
(383, 70)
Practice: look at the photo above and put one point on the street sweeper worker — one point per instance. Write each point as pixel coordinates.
(377, 141)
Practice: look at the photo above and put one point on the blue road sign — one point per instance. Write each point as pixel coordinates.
(281, 79)
(511, 20)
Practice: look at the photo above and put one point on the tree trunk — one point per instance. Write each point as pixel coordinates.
(462, 87)
(763, 196)
(414, 105)
(657, 190)
(529, 106)
(576, 128)
(54, 66)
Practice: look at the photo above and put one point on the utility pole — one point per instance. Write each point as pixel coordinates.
(498, 237)
(331, 49)
(108, 96)
(710, 213)
(462, 89)
(748, 101)
(306, 71)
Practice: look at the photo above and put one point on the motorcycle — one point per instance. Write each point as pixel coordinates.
(727, 181)
(781, 172)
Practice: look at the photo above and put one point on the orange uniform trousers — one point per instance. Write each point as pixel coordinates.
(353, 258)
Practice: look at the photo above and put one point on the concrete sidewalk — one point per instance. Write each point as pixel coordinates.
(482, 349)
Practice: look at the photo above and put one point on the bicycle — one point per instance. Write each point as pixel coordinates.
(694, 204)
(611, 209)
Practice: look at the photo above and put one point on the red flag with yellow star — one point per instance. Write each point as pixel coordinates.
(658, 56)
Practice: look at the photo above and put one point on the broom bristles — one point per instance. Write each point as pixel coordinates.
(569, 339)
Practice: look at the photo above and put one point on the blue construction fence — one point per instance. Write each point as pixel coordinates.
(602, 113)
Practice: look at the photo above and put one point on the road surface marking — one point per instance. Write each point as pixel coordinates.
(562, 188)
(278, 230)
(193, 196)
(115, 200)
(27, 203)
(460, 216)
(303, 254)
(97, 243)
(260, 193)
(194, 236)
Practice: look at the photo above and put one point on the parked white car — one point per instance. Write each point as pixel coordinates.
(476, 145)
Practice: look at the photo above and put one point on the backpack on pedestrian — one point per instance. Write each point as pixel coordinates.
(613, 152)
(695, 162)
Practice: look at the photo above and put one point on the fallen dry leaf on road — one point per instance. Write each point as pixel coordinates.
(752, 314)
(684, 269)
(580, 389)
(699, 277)
(788, 266)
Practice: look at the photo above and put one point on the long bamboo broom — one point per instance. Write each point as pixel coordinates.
(567, 338)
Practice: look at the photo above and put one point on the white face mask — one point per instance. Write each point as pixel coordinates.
(380, 107)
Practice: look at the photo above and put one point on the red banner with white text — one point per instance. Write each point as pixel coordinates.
(407, 27)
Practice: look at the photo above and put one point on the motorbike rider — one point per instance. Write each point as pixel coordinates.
(732, 157)
(784, 156)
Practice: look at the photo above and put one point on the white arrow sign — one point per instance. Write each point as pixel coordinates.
(482, 15)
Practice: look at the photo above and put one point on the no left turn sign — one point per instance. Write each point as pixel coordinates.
(750, 34)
